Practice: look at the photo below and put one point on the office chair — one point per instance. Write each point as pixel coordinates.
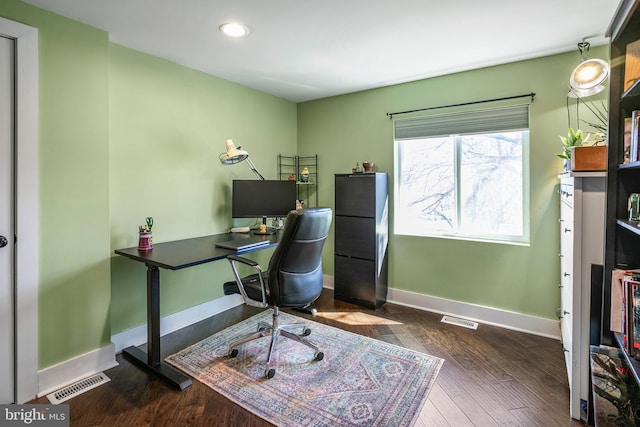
(293, 279)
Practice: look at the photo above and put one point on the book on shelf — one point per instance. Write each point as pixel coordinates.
(627, 140)
(634, 130)
(615, 322)
(632, 64)
(630, 313)
(633, 318)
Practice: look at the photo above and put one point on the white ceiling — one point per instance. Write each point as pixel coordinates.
(302, 50)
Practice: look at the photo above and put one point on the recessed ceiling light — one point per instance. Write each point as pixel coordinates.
(235, 30)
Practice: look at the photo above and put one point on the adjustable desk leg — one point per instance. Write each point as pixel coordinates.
(153, 315)
(151, 360)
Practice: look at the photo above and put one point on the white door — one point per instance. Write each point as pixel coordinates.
(7, 368)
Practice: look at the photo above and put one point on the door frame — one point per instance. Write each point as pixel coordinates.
(26, 208)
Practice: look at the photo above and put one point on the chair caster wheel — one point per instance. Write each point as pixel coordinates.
(320, 355)
(233, 353)
(270, 373)
(306, 332)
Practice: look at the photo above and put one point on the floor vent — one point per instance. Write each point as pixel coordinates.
(459, 322)
(77, 388)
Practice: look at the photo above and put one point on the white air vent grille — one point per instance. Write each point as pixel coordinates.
(459, 322)
(78, 388)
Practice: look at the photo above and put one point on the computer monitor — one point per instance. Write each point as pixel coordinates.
(262, 199)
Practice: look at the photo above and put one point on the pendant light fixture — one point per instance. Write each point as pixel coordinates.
(588, 77)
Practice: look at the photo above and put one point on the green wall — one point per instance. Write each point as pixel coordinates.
(353, 128)
(168, 124)
(74, 289)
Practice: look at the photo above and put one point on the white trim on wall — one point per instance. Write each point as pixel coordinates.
(487, 315)
(65, 373)
(61, 375)
(138, 335)
(27, 249)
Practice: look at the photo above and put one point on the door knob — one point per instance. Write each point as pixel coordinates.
(3, 241)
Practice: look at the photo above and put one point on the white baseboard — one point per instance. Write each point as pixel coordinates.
(173, 322)
(488, 315)
(61, 375)
(72, 370)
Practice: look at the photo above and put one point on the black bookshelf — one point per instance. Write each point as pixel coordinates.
(622, 237)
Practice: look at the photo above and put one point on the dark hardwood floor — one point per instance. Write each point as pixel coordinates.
(491, 376)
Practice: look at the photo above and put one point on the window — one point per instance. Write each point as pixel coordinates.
(464, 175)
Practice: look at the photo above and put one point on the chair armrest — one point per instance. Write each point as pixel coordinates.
(246, 261)
(233, 259)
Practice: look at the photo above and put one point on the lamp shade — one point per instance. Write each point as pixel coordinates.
(590, 74)
(233, 154)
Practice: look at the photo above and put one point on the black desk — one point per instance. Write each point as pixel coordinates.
(175, 255)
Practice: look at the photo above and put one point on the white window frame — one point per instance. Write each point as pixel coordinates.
(400, 226)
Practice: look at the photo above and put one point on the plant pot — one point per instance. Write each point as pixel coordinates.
(589, 158)
(368, 166)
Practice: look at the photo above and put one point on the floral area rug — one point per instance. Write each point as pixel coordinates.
(360, 382)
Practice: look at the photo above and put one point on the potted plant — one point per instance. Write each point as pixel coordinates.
(579, 155)
(574, 138)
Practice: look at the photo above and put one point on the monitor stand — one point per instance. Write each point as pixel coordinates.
(268, 231)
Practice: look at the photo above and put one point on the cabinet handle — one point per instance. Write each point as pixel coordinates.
(564, 349)
(566, 274)
(560, 255)
(560, 220)
(565, 312)
(560, 285)
(567, 230)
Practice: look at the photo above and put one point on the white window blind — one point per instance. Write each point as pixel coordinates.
(502, 119)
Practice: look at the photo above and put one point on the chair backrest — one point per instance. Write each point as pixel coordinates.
(295, 268)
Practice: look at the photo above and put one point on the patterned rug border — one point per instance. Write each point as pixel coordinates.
(328, 402)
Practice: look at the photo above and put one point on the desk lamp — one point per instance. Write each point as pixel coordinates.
(235, 155)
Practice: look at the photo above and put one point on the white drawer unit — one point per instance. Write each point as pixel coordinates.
(582, 221)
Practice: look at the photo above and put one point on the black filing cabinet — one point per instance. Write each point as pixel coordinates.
(361, 237)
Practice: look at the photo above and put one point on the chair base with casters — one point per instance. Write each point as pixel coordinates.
(276, 330)
(292, 281)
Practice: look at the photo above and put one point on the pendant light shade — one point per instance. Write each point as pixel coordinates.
(589, 74)
(588, 77)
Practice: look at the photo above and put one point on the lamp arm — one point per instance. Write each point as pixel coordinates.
(254, 169)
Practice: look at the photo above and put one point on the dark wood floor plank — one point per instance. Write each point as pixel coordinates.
(491, 376)
(443, 404)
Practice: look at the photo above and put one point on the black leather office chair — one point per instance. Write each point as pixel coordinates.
(292, 280)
